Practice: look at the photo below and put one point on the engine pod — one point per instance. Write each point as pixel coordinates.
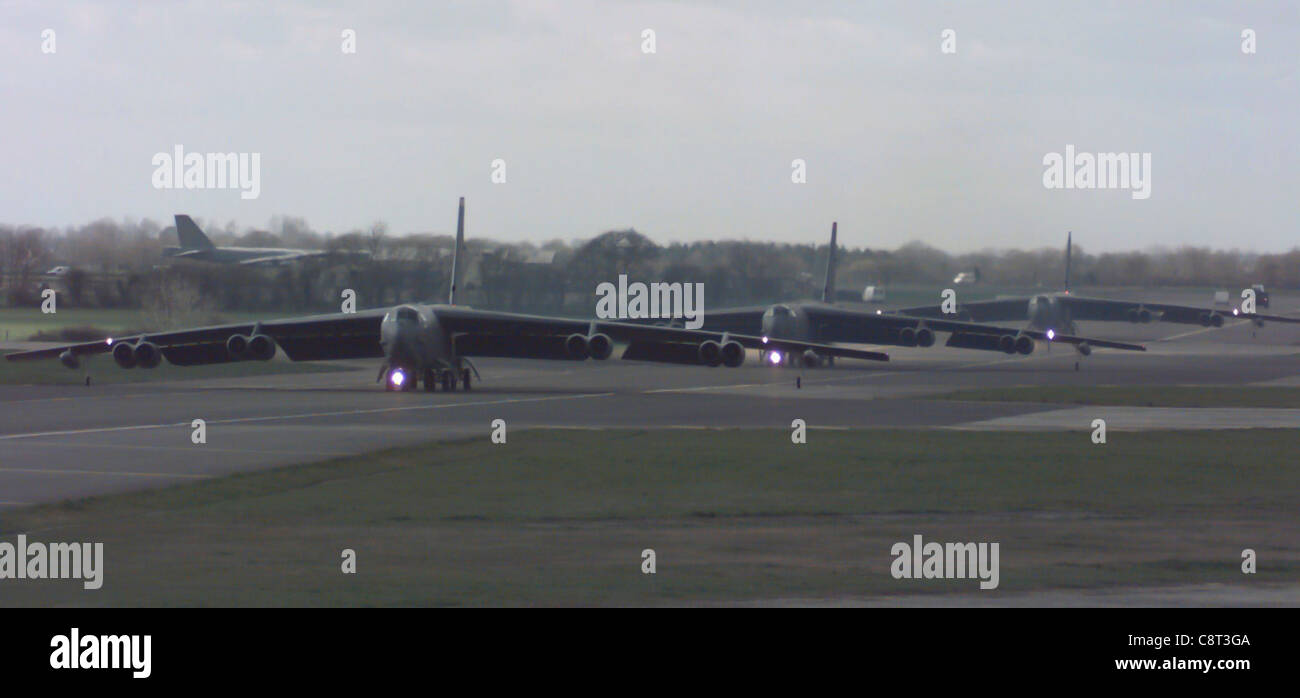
(600, 346)
(733, 354)
(710, 353)
(124, 355)
(147, 355)
(261, 347)
(576, 347)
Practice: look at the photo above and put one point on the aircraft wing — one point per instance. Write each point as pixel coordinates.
(487, 333)
(474, 333)
(1104, 309)
(277, 258)
(318, 337)
(842, 325)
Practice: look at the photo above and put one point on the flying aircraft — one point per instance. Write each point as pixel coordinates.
(196, 246)
(433, 343)
(823, 323)
(1057, 312)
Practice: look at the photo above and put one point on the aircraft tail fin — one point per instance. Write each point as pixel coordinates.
(455, 252)
(828, 290)
(1069, 245)
(189, 234)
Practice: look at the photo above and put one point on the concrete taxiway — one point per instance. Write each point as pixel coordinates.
(59, 442)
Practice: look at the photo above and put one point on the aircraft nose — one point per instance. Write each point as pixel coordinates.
(398, 337)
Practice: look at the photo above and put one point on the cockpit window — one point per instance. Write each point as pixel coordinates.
(408, 314)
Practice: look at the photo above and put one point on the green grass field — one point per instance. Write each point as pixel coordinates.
(561, 517)
(1136, 395)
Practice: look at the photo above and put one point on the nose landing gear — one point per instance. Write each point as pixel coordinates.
(431, 378)
(399, 379)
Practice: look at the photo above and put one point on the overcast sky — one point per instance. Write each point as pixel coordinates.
(902, 141)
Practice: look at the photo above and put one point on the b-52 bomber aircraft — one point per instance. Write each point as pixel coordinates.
(195, 246)
(823, 323)
(1057, 312)
(432, 343)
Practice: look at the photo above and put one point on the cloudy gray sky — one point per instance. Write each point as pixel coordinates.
(694, 141)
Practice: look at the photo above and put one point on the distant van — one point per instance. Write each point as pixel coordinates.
(1261, 296)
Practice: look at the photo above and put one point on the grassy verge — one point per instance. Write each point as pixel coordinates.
(1136, 396)
(562, 517)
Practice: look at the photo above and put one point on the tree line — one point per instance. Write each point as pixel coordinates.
(120, 264)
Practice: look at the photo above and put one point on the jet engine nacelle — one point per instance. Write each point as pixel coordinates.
(1025, 344)
(124, 355)
(69, 360)
(1083, 348)
(237, 345)
(733, 354)
(924, 337)
(600, 346)
(261, 347)
(147, 355)
(1007, 343)
(710, 352)
(811, 359)
(907, 337)
(576, 346)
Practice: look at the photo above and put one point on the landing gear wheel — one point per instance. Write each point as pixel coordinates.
(430, 380)
(464, 378)
(448, 381)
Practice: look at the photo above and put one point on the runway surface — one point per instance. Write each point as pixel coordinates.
(59, 442)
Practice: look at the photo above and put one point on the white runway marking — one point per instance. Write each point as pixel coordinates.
(305, 415)
(1120, 418)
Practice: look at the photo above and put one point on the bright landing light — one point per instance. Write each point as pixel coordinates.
(1051, 334)
(774, 358)
(397, 378)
